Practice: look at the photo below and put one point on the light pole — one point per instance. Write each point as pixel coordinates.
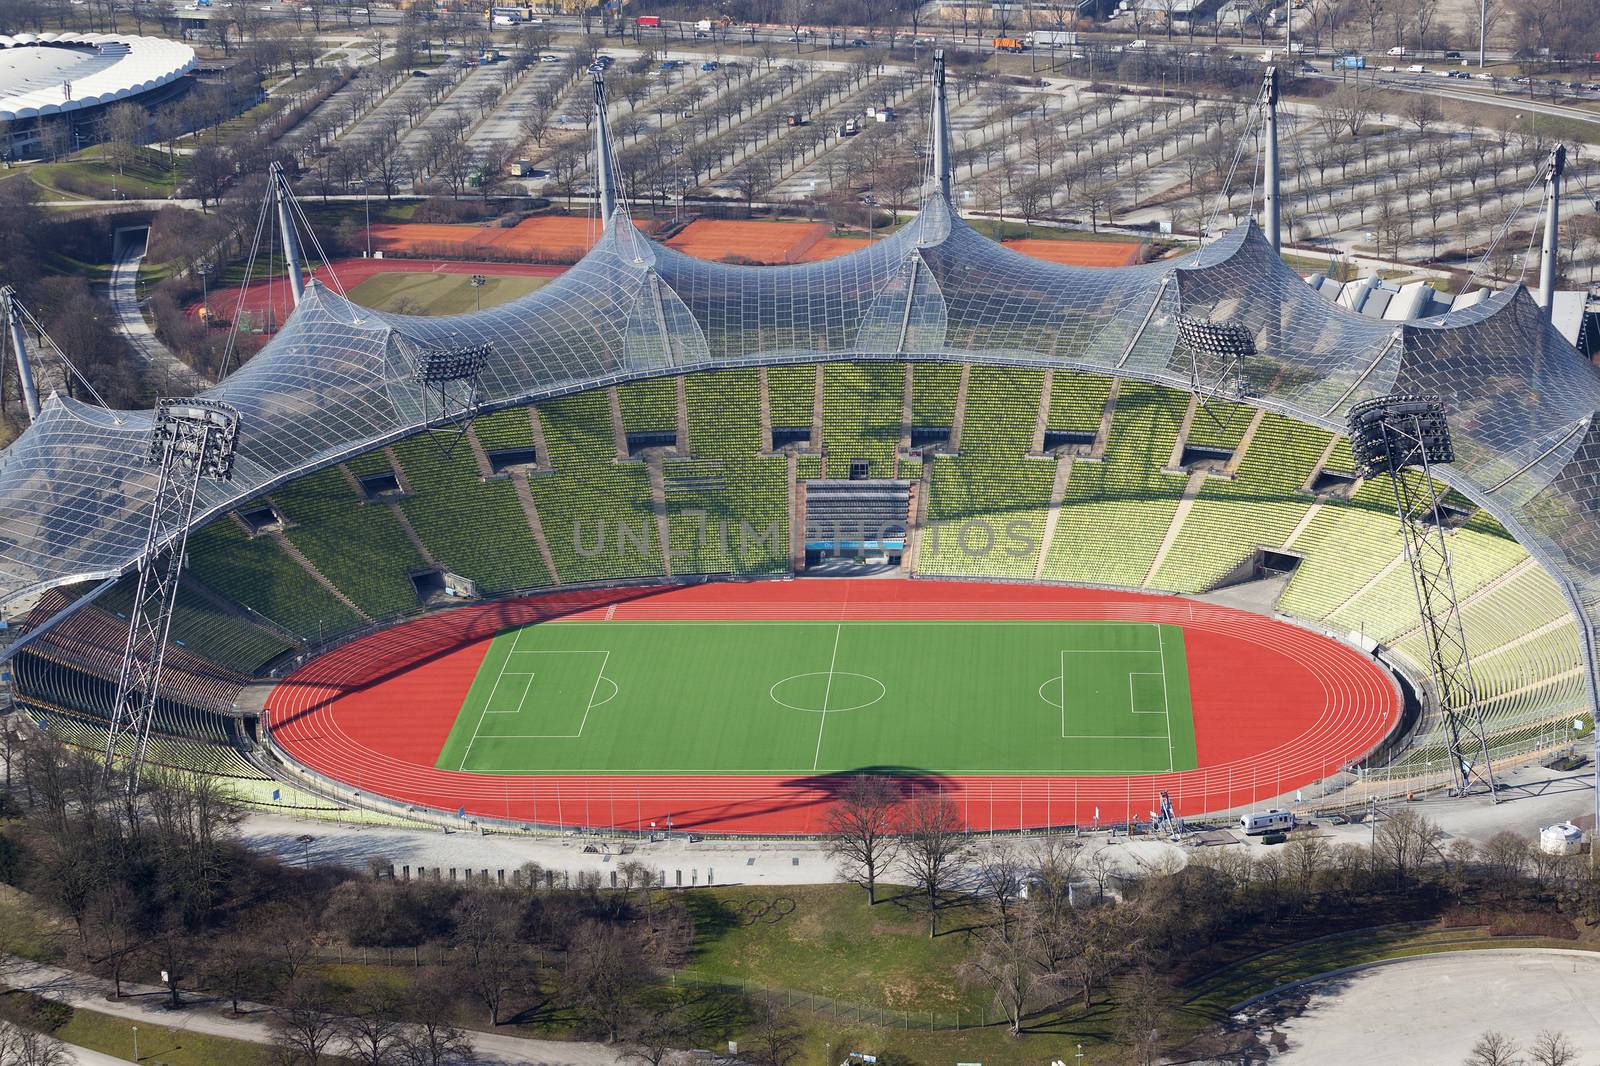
(136, 1043)
(305, 840)
(477, 282)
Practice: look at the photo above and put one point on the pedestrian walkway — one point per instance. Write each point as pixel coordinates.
(146, 1004)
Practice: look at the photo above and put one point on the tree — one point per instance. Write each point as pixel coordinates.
(430, 1039)
(303, 1025)
(1009, 967)
(1494, 1049)
(1422, 111)
(486, 935)
(999, 882)
(234, 967)
(775, 1040)
(373, 1034)
(1551, 1048)
(932, 843)
(859, 828)
(125, 132)
(24, 1047)
(605, 971)
(1404, 843)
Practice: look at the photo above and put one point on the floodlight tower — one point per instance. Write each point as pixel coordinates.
(448, 377)
(1554, 167)
(1404, 437)
(193, 440)
(19, 347)
(283, 198)
(1269, 107)
(1219, 353)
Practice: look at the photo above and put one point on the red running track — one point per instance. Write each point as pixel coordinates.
(1276, 707)
(273, 290)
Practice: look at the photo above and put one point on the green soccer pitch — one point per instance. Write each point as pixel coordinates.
(824, 697)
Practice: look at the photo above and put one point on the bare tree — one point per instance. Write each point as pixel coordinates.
(860, 831)
(303, 1026)
(24, 1047)
(999, 882)
(1551, 1048)
(932, 843)
(605, 970)
(1494, 1049)
(1010, 969)
(486, 936)
(1404, 843)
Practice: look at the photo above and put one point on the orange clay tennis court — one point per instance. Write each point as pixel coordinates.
(564, 239)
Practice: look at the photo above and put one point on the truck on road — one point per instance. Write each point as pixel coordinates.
(1009, 44)
(1053, 38)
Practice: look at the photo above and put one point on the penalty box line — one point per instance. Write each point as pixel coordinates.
(485, 712)
(1133, 703)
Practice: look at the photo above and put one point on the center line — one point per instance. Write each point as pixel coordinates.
(826, 692)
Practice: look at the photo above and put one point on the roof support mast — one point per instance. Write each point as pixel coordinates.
(1269, 105)
(19, 347)
(1554, 168)
(291, 239)
(605, 186)
(941, 128)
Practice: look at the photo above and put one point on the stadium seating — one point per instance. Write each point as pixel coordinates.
(472, 527)
(727, 508)
(861, 411)
(597, 513)
(1258, 508)
(1116, 511)
(792, 394)
(356, 544)
(261, 577)
(1218, 425)
(986, 511)
(934, 388)
(1345, 545)
(649, 406)
(205, 627)
(1077, 401)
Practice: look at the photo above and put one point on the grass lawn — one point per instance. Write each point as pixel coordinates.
(92, 175)
(823, 697)
(172, 1047)
(439, 294)
(824, 941)
(24, 930)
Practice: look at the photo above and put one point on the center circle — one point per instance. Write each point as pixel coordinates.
(820, 691)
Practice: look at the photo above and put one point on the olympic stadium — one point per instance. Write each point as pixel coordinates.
(676, 544)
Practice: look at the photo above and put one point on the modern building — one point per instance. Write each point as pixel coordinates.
(69, 79)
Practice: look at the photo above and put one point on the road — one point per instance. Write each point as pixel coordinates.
(160, 367)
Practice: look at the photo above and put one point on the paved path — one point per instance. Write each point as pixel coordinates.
(144, 1004)
(1433, 1008)
(164, 370)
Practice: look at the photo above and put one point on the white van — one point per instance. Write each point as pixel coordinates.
(1273, 821)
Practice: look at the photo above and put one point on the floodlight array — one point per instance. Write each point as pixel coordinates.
(441, 364)
(1390, 433)
(195, 432)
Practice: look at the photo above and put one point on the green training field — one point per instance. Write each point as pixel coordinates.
(823, 697)
(427, 293)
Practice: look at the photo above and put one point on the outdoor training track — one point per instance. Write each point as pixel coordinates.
(1276, 707)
